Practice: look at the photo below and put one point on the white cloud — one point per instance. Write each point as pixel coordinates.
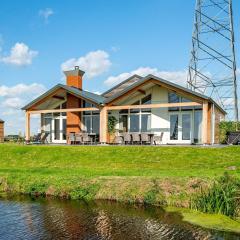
(20, 55)
(179, 77)
(14, 103)
(12, 99)
(93, 63)
(22, 90)
(46, 13)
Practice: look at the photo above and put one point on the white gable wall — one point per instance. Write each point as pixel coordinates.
(160, 116)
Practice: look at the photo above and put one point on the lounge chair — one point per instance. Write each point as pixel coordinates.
(41, 138)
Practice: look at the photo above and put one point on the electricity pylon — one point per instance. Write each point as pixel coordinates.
(212, 68)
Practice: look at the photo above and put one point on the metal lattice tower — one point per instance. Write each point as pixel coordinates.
(212, 68)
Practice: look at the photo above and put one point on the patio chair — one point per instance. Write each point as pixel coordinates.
(41, 138)
(71, 138)
(127, 138)
(44, 138)
(78, 138)
(118, 140)
(86, 139)
(145, 138)
(158, 139)
(136, 138)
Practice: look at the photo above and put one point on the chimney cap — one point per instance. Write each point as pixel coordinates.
(75, 72)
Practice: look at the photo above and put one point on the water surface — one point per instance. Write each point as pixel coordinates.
(25, 218)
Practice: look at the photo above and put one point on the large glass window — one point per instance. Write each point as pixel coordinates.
(174, 127)
(57, 129)
(145, 123)
(123, 123)
(91, 119)
(95, 124)
(134, 123)
(136, 120)
(87, 123)
(197, 127)
(64, 127)
(186, 126)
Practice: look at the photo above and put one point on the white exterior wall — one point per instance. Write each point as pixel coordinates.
(160, 116)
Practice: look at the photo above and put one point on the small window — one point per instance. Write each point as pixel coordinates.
(135, 110)
(86, 105)
(147, 100)
(186, 108)
(173, 98)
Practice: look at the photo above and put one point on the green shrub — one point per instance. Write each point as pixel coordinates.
(221, 198)
(85, 193)
(150, 197)
(112, 121)
(225, 127)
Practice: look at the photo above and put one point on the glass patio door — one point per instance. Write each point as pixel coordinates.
(181, 128)
(59, 129)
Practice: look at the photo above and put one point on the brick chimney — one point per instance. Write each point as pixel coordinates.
(74, 77)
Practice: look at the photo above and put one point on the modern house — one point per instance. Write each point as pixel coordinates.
(140, 104)
(1, 130)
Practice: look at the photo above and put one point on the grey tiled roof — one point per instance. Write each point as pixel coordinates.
(1, 121)
(101, 100)
(85, 94)
(98, 99)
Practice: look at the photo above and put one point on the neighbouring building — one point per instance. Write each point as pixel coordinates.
(1, 130)
(140, 104)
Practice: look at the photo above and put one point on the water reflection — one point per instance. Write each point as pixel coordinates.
(51, 219)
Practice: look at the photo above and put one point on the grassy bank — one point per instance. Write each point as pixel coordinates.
(154, 175)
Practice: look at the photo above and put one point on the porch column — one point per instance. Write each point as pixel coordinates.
(205, 123)
(27, 127)
(103, 125)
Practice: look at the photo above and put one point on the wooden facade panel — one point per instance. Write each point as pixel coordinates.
(1, 132)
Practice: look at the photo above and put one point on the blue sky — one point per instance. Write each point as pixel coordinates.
(40, 38)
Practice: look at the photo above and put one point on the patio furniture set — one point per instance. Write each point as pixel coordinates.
(83, 138)
(138, 138)
(119, 139)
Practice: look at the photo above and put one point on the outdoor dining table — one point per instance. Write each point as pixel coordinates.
(93, 137)
(151, 135)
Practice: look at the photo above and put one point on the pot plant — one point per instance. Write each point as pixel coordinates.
(112, 121)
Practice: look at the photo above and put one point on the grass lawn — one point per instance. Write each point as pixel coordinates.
(154, 175)
(119, 169)
(123, 173)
